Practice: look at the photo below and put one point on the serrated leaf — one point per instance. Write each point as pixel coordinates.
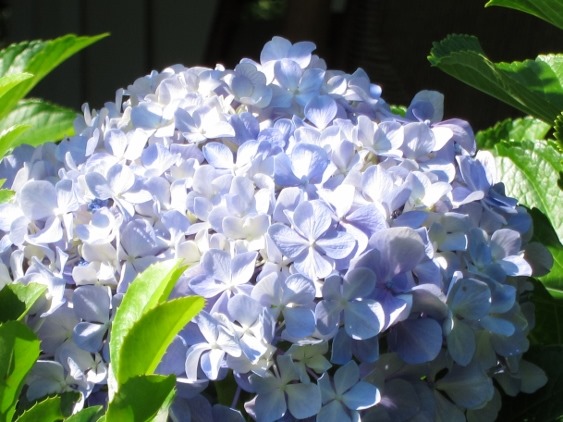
(19, 349)
(7, 82)
(48, 410)
(88, 414)
(555, 62)
(545, 404)
(548, 10)
(558, 128)
(5, 194)
(141, 398)
(47, 122)
(9, 136)
(149, 338)
(545, 234)
(531, 86)
(150, 288)
(27, 294)
(522, 129)
(38, 58)
(530, 171)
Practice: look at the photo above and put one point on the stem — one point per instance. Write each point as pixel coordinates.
(236, 398)
(312, 373)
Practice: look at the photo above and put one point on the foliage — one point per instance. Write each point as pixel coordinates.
(528, 153)
(326, 230)
(355, 260)
(139, 395)
(532, 86)
(34, 121)
(548, 10)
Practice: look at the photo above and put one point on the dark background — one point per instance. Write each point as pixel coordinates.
(390, 39)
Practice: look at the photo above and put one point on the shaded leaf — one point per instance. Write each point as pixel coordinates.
(545, 234)
(10, 305)
(531, 86)
(142, 398)
(151, 287)
(548, 10)
(149, 338)
(545, 404)
(88, 414)
(45, 411)
(548, 327)
(19, 349)
(28, 294)
(558, 128)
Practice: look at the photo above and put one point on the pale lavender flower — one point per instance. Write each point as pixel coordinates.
(345, 394)
(276, 394)
(313, 244)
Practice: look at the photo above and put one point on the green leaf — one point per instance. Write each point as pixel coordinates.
(6, 195)
(530, 171)
(16, 300)
(521, 135)
(149, 338)
(532, 86)
(88, 414)
(11, 307)
(19, 349)
(399, 110)
(38, 58)
(48, 410)
(545, 404)
(555, 62)
(28, 294)
(548, 10)
(142, 398)
(150, 288)
(522, 129)
(558, 128)
(9, 136)
(548, 328)
(46, 121)
(553, 281)
(7, 82)
(545, 234)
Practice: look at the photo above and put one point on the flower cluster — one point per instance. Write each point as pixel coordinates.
(358, 263)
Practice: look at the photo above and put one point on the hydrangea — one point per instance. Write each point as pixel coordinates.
(357, 263)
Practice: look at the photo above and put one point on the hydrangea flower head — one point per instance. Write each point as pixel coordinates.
(357, 263)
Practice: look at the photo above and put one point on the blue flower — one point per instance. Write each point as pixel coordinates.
(313, 243)
(340, 246)
(292, 297)
(303, 167)
(209, 355)
(347, 301)
(345, 395)
(276, 394)
(91, 304)
(223, 273)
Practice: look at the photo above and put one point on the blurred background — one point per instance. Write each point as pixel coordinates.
(389, 39)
